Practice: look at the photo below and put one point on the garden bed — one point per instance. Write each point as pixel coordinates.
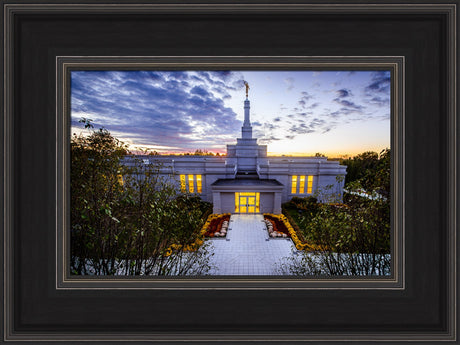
(217, 225)
(276, 227)
(285, 225)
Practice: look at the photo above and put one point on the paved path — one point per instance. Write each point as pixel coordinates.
(246, 250)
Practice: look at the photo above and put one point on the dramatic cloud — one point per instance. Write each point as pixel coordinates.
(381, 82)
(300, 129)
(343, 93)
(268, 140)
(348, 104)
(304, 99)
(199, 90)
(380, 101)
(157, 108)
(189, 110)
(377, 92)
(267, 132)
(317, 122)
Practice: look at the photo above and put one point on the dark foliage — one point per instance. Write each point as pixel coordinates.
(125, 218)
(355, 234)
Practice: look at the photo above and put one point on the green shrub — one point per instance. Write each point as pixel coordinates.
(356, 236)
(124, 218)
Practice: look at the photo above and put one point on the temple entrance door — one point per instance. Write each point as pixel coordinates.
(247, 202)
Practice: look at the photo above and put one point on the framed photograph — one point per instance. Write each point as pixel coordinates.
(215, 172)
(248, 209)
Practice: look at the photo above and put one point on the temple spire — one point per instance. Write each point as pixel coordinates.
(247, 107)
(246, 130)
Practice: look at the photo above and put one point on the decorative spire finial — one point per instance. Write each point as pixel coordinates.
(247, 87)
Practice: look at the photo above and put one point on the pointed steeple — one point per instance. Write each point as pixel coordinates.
(246, 130)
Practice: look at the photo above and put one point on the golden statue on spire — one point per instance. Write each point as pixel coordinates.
(247, 87)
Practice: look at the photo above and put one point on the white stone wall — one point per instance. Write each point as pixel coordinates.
(326, 186)
(266, 202)
(329, 188)
(247, 156)
(227, 202)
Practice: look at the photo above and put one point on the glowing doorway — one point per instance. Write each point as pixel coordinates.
(247, 202)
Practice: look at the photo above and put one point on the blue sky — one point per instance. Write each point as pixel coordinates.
(294, 112)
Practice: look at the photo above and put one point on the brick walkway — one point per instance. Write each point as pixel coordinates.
(247, 250)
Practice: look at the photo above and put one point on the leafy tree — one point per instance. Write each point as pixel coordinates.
(125, 218)
(95, 191)
(354, 235)
(369, 171)
(200, 152)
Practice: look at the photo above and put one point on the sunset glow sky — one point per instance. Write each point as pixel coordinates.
(336, 113)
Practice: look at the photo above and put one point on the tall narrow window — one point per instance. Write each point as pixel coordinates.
(310, 184)
(301, 184)
(187, 183)
(294, 185)
(182, 184)
(198, 184)
(191, 188)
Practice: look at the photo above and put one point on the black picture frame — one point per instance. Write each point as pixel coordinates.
(36, 308)
(65, 65)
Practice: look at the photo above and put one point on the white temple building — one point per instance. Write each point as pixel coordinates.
(246, 180)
